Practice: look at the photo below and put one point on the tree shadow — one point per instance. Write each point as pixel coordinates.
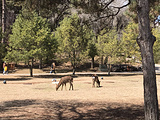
(79, 75)
(70, 110)
(15, 79)
(94, 111)
(11, 105)
(54, 76)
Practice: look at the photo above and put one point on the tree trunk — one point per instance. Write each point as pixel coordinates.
(109, 69)
(74, 70)
(3, 19)
(74, 67)
(146, 41)
(92, 63)
(74, 62)
(31, 68)
(101, 60)
(40, 63)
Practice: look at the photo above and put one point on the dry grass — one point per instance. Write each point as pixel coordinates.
(120, 97)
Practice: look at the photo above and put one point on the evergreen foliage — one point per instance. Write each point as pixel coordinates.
(130, 47)
(31, 38)
(108, 46)
(156, 46)
(153, 14)
(73, 40)
(92, 49)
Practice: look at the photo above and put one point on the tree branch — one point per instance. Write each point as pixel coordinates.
(116, 13)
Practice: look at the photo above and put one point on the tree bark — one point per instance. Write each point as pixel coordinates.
(31, 68)
(92, 63)
(3, 19)
(102, 60)
(146, 41)
(40, 63)
(74, 62)
(109, 69)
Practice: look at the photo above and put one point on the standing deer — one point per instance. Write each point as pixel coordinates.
(95, 79)
(64, 80)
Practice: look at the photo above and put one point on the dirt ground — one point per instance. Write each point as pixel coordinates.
(120, 97)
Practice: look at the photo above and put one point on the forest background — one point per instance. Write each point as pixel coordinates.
(74, 31)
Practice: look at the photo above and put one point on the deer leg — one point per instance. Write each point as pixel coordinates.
(65, 86)
(62, 87)
(93, 85)
(96, 83)
(72, 85)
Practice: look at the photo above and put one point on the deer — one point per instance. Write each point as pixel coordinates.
(95, 79)
(63, 81)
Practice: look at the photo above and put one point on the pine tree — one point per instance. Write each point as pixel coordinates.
(130, 47)
(31, 38)
(109, 47)
(146, 41)
(73, 40)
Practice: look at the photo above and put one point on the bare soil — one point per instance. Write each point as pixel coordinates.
(120, 97)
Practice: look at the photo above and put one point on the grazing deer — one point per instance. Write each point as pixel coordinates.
(64, 80)
(95, 79)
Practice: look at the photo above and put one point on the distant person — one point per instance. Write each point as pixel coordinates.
(4, 64)
(53, 68)
(5, 69)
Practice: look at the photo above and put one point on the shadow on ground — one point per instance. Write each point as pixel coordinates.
(69, 110)
(25, 78)
(82, 75)
(16, 79)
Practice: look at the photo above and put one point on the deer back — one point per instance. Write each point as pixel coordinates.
(64, 80)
